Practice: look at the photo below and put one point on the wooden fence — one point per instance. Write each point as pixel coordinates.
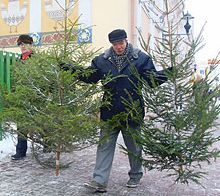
(7, 60)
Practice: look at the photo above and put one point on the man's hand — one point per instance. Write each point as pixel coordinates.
(66, 67)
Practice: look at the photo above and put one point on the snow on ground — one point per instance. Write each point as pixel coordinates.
(7, 146)
(8, 143)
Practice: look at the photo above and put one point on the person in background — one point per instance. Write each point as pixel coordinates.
(25, 43)
(119, 61)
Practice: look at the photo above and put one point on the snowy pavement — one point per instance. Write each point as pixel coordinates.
(7, 146)
(28, 178)
(8, 143)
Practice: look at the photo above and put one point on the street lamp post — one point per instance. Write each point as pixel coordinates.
(187, 26)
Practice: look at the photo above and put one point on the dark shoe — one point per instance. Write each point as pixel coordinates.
(96, 187)
(17, 156)
(133, 183)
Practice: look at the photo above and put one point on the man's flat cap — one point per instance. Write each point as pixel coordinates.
(117, 35)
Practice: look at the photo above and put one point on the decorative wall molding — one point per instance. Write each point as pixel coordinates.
(41, 18)
(39, 38)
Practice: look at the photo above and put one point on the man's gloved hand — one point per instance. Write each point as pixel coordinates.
(71, 67)
(66, 67)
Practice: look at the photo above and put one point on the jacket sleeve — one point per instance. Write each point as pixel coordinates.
(89, 75)
(92, 74)
(152, 76)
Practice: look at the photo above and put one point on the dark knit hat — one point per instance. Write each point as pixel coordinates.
(117, 35)
(26, 39)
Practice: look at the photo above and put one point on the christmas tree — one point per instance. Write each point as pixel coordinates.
(57, 111)
(180, 134)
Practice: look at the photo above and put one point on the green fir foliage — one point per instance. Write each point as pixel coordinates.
(55, 109)
(180, 135)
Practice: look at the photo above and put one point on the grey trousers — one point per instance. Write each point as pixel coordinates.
(105, 155)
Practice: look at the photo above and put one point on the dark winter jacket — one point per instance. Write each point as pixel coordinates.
(123, 86)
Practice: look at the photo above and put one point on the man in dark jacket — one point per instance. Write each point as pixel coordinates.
(25, 43)
(127, 66)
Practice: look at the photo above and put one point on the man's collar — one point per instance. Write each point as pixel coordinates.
(133, 52)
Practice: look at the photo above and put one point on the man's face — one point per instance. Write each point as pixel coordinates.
(119, 46)
(25, 48)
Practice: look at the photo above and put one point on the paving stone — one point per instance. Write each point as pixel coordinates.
(28, 178)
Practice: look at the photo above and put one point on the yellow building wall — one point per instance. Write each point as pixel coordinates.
(20, 23)
(49, 23)
(108, 15)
